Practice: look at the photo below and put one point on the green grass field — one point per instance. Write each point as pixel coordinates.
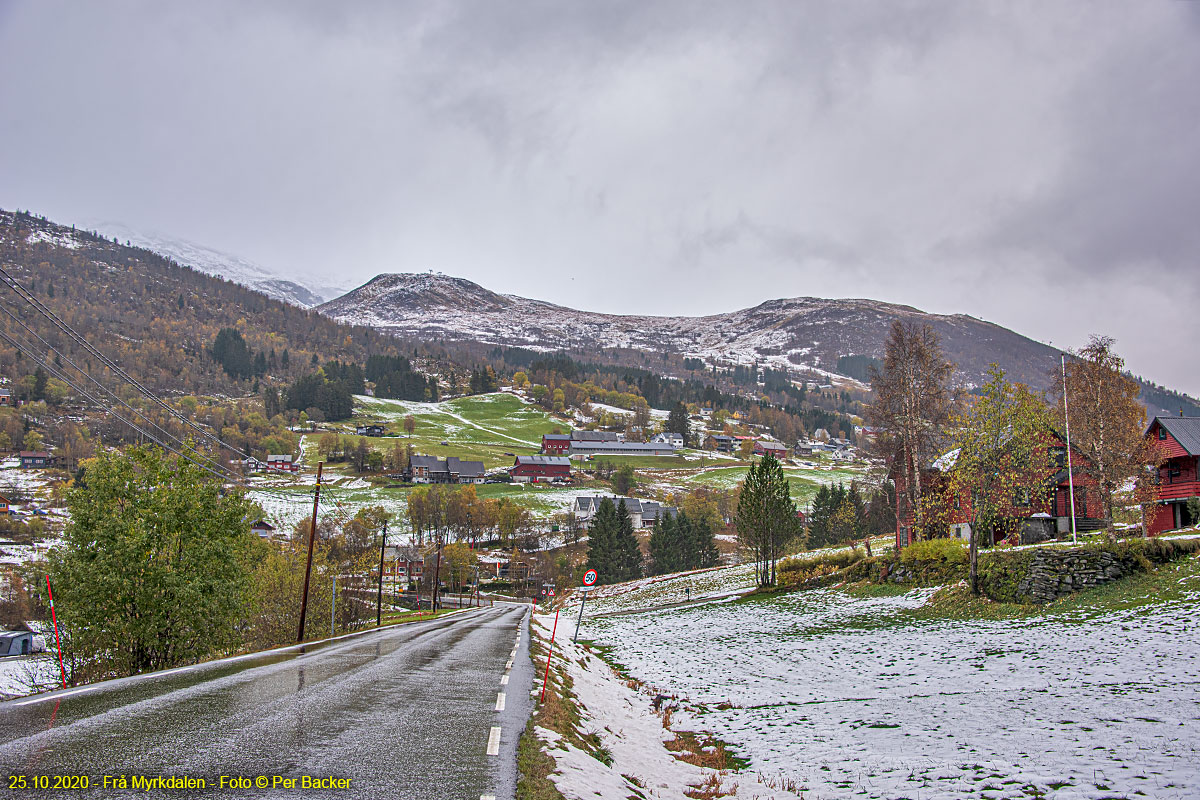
(489, 428)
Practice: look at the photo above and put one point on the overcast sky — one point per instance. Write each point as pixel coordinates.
(1034, 164)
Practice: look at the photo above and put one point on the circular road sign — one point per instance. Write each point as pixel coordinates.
(590, 577)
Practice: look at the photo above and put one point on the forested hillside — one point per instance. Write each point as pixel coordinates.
(158, 320)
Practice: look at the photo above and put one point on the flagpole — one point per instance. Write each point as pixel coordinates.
(1070, 469)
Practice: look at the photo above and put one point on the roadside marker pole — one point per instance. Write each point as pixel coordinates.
(312, 535)
(57, 640)
(550, 650)
(333, 607)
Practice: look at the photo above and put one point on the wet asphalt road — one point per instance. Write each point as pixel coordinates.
(405, 712)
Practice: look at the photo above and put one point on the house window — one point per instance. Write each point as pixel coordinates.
(1058, 456)
(1162, 433)
(1173, 470)
(1021, 497)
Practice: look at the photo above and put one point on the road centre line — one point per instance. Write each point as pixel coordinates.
(504, 680)
(500, 701)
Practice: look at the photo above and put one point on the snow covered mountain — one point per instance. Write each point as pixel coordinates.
(802, 333)
(222, 265)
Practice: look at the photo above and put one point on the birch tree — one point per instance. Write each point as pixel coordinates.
(912, 403)
(1108, 424)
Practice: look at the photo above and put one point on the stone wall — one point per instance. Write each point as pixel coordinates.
(1052, 574)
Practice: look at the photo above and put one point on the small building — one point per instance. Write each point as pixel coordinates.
(369, 430)
(777, 449)
(669, 438)
(1178, 440)
(642, 513)
(540, 469)
(556, 443)
(431, 469)
(18, 643)
(5, 508)
(6, 397)
(722, 443)
(281, 463)
(263, 528)
(36, 459)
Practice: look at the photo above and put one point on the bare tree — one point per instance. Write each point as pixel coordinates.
(912, 404)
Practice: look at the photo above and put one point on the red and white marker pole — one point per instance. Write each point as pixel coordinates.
(549, 652)
(57, 641)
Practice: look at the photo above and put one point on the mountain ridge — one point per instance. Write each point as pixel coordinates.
(798, 333)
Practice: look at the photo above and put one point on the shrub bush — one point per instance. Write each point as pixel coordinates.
(944, 551)
(802, 568)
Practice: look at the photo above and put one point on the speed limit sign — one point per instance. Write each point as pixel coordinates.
(590, 577)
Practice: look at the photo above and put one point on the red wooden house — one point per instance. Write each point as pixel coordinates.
(1044, 514)
(1179, 476)
(537, 469)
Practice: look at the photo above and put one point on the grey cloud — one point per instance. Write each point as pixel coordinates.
(975, 157)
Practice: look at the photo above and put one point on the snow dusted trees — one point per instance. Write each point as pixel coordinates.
(612, 547)
(912, 403)
(1108, 424)
(680, 543)
(766, 516)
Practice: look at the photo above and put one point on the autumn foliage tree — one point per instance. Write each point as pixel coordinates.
(1001, 463)
(1108, 424)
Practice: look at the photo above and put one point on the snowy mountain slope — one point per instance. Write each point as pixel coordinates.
(222, 265)
(798, 333)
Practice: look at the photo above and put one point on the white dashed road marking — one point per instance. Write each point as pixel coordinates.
(504, 680)
(500, 701)
(493, 748)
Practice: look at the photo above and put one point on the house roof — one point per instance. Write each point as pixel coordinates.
(649, 509)
(552, 461)
(465, 469)
(556, 437)
(431, 463)
(772, 445)
(34, 454)
(1185, 430)
(262, 525)
(631, 447)
(274, 457)
(593, 436)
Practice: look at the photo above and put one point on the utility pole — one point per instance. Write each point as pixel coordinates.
(437, 574)
(379, 595)
(1070, 469)
(312, 535)
(333, 607)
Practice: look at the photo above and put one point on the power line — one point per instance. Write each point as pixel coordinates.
(42, 309)
(104, 388)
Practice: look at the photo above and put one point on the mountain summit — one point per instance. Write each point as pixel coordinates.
(800, 333)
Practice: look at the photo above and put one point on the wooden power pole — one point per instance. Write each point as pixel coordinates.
(312, 535)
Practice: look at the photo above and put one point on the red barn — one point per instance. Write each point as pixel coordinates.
(539, 469)
(1179, 476)
(556, 443)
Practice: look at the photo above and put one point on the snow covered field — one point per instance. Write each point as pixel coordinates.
(849, 697)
